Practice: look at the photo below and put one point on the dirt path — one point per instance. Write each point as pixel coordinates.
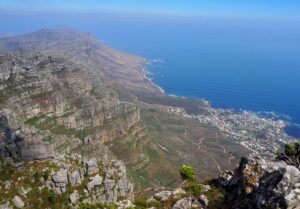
(225, 152)
(206, 153)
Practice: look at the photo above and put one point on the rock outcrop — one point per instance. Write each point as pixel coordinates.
(106, 184)
(35, 150)
(56, 110)
(66, 177)
(50, 103)
(260, 184)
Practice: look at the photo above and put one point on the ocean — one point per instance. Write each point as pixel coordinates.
(249, 64)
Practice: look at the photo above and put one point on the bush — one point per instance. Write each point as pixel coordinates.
(291, 154)
(195, 189)
(46, 175)
(37, 176)
(289, 149)
(52, 197)
(187, 173)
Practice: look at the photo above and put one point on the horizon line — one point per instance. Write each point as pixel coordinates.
(150, 14)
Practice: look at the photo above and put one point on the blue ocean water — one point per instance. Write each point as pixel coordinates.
(246, 64)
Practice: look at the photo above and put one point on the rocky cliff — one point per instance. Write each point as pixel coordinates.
(51, 109)
(47, 99)
(261, 184)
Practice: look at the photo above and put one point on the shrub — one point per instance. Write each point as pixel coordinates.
(46, 175)
(37, 176)
(291, 154)
(187, 173)
(195, 189)
(289, 149)
(52, 198)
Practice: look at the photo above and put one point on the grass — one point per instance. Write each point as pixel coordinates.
(98, 206)
(152, 153)
(141, 203)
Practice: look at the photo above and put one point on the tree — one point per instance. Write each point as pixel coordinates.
(187, 173)
(291, 154)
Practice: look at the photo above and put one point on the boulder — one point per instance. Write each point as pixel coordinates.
(203, 200)
(125, 204)
(94, 181)
(74, 197)
(59, 181)
(35, 150)
(18, 202)
(197, 204)
(163, 196)
(61, 176)
(19, 165)
(5, 206)
(185, 203)
(74, 178)
(91, 166)
(259, 184)
(205, 188)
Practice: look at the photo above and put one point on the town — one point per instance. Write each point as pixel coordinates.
(262, 136)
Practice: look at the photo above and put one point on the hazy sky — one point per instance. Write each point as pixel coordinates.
(260, 8)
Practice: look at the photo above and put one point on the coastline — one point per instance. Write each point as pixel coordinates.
(146, 72)
(263, 135)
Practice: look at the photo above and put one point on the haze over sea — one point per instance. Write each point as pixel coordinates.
(233, 63)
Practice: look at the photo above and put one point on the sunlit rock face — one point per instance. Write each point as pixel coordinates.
(262, 184)
(54, 100)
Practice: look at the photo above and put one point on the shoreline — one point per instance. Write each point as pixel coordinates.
(273, 116)
(146, 72)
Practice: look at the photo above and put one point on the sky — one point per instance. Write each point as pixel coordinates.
(253, 8)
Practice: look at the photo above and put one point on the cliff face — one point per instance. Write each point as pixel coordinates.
(261, 184)
(53, 109)
(56, 101)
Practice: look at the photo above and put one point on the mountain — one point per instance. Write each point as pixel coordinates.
(115, 78)
(71, 104)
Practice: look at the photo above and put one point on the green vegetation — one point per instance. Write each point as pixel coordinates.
(29, 177)
(46, 175)
(141, 203)
(46, 198)
(195, 188)
(289, 149)
(187, 173)
(152, 153)
(98, 206)
(291, 154)
(37, 177)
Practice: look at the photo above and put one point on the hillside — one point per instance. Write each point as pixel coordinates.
(67, 89)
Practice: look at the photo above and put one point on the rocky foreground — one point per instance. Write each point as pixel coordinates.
(77, 182)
